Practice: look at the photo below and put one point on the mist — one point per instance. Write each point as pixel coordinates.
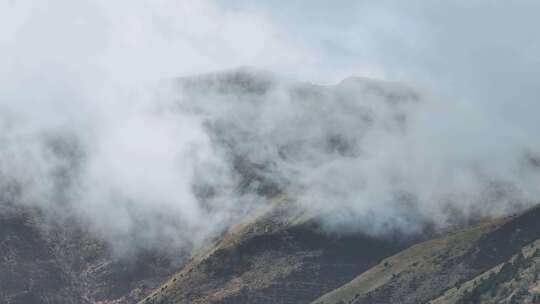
(102, 121)
(88, 132)
(369, 155)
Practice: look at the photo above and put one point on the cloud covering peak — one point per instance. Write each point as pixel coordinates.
(95, 125)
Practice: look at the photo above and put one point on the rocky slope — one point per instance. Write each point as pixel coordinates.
(66, 265)
(29, 269)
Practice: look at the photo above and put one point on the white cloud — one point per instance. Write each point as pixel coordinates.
(85, 129)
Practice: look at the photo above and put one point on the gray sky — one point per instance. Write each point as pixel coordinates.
(473, 51)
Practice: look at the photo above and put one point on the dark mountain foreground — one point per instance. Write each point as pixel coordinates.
(280, 256)
(267, 262)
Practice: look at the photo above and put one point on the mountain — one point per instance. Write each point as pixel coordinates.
(318, 214)
(493, 262)
(57, 265)
(29, 270)
(265, 261)
(275, 256)
(279, 256)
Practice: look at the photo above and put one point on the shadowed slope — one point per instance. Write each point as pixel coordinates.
(29, 269)
(61, 265)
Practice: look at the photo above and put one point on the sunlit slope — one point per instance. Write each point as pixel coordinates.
(277, 256)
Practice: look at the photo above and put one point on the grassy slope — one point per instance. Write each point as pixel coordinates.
(514, 281)
(426, 271)
(270, 260)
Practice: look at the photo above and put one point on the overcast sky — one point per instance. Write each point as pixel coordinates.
(479, 51)
(480, 54)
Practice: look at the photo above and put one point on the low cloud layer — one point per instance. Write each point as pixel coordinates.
(373, 156)
(93, 126)
(86, 133)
